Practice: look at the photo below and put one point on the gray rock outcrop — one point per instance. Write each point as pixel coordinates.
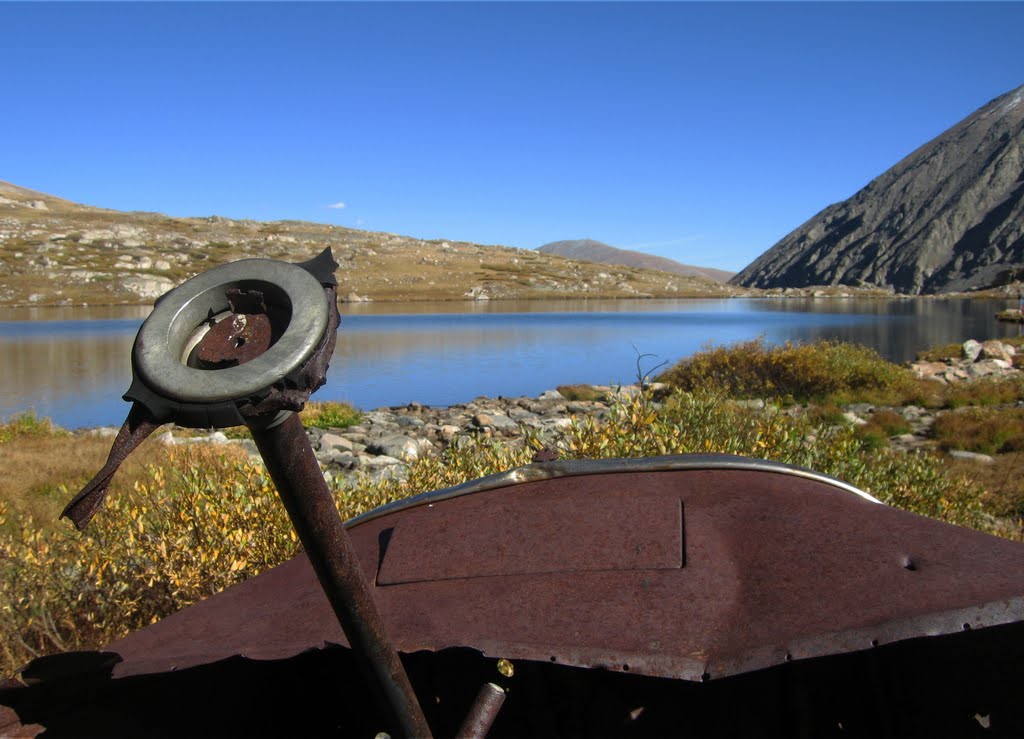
(949, 217)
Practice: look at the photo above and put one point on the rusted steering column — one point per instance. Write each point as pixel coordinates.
(293, 467)
(247, 343)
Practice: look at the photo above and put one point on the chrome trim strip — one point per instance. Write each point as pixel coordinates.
(576, 467)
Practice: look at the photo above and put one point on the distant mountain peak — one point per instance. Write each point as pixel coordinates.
(591, 250)
(948, 217)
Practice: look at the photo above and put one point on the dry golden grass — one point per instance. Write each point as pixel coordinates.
(42, 473)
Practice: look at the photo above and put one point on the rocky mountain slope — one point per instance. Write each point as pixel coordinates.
(949, 217)
(56, 252)
(595, 251)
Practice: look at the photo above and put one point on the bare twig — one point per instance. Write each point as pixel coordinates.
(644, 378)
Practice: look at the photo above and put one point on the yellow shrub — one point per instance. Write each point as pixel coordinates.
(210, 517)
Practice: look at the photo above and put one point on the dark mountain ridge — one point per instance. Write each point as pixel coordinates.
(590, 250)
(948, 217)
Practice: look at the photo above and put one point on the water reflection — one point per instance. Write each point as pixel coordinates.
(73, 365)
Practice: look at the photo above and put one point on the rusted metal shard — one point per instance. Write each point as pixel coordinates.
(135, 429)
(239, 338)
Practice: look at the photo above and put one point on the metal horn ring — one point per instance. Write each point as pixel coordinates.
(288, 289)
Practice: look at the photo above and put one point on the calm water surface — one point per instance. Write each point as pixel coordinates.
(73, 364)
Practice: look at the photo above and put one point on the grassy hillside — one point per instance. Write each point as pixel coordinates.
(55, 252)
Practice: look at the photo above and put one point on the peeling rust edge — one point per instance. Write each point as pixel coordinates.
(578, 467)
(930, 625)
(698, 669)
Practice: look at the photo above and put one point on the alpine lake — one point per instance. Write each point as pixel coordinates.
(73, 364)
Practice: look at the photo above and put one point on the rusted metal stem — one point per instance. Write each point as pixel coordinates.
(481, 716)
(294, 470)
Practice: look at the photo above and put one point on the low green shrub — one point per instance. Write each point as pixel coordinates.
(983, 430)
(823, 370)
(709, 423)
(330, 414)
(28, 424)
(941, 353)
(880, 427)
(580, 392)
(827, 413)
(186, 531)
(887, 422)
(1003, 483)
(983, 392)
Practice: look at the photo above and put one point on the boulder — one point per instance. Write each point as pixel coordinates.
(984, 367)
(338, 458)
(929, 370)
(496, 421)
(396, 446)
(330, 441)
(449, 432)
(994, 349)
(972, 456)
(381, 460)
(853, 419)
(971, 349)
(147, 287)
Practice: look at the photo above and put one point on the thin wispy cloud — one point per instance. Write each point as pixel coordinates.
(337, 206)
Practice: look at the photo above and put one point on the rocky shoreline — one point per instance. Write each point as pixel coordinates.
(387, 439)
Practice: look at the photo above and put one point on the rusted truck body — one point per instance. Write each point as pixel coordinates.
(693, 595)
(674, 596)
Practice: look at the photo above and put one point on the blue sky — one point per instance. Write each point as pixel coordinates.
(700, 131)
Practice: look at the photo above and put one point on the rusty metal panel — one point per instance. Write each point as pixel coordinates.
(779, 567)
(580, 530)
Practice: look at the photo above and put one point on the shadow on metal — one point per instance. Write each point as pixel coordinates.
(949, 686)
